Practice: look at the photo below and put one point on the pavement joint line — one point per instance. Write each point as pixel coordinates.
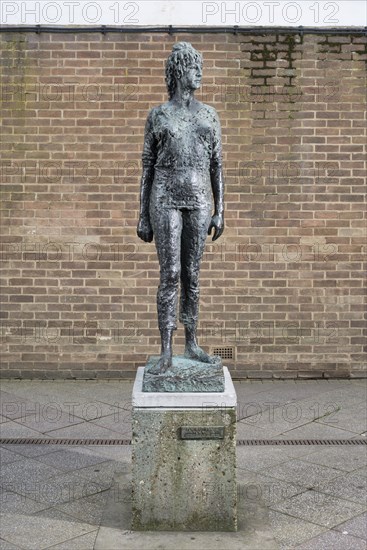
(240, 442)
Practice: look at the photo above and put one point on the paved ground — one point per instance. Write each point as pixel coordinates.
(77, 497)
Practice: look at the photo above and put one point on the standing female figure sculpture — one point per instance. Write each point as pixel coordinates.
(182, 173)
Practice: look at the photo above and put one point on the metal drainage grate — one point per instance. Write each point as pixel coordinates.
(330, 442)
(224, 353)
(64, 441)
(240, 442)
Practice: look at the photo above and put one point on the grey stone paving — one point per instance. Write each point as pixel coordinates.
(351, 486)
(24, 470)
(260, 458)
(356, 527)
(316, 507)
(88, 509)
(317, 430)
(336, 541)
(303, 473)
(50, 418)
(31, 451)
(259, 487)
(6, 545)
(290, 531)
(85, 542)
(14, 429)
(13, 503)
(8, 457)
(42, 529)
(70, 458)
(254, 532)
(340, 458)
(59, 497)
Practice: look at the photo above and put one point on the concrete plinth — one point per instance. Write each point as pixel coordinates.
(184, 460)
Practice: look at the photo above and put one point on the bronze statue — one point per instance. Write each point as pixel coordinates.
(182, 172)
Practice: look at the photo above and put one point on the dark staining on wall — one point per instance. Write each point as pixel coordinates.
(267, 62)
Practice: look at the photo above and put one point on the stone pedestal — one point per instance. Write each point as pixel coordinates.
(184, 459)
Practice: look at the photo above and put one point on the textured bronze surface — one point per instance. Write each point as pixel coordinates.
(182, 176)
(185, 375)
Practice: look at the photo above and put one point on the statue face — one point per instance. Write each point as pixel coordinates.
(192, 78)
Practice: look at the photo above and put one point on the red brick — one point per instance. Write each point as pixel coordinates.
(294, 234)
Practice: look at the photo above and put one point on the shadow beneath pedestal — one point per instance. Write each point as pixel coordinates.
(254, 529)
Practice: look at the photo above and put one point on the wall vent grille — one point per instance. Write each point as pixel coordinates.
(224, 353)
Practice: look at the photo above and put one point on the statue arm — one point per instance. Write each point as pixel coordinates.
(149, 155)
(217, 182)
(145, 188)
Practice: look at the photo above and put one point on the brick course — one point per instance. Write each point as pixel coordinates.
(284, 286)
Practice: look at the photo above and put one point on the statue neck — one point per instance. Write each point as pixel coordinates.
(183, 97)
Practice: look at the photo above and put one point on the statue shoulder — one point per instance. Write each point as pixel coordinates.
(156, 111)
(211, 111)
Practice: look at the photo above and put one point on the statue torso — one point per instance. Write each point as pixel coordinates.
(184, 141)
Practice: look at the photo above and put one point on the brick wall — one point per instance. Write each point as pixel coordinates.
(282, 289)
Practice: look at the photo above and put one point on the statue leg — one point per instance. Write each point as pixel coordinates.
(167, 227)
(194, 233)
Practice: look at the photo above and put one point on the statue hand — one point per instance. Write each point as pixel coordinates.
(144, 230)
(217, 223)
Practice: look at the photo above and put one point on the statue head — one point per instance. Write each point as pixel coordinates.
(180, 61)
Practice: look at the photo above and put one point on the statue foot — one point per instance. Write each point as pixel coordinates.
(197, 353)
(164, 363)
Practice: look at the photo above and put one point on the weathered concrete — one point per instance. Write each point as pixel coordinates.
(254, 529)
(184, 467)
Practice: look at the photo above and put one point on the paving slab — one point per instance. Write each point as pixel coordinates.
(88, 509)
(61, 489)
(90, 408)
(350, 415)
(119, 423)
(48, 419)
(102, 474)
(8, 457)
(341, 458)
(118, 453)
(281, 392)
(12, 405)
(303, 473)
(30, 450)
(13, 503)
(85, 542)
(6, 545)
(41, 530)
(257, 487)
(14, 429)
(336, 541)
(84, 430)
(282, 418)
(290, 531)
(71, 458)
(247, 430)
(25, 470)
(351, 486)
(253, 533)
(348, 389)
(317, 430)
(85, 400)
(319, 508)
(357, 527)
(259, 458)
